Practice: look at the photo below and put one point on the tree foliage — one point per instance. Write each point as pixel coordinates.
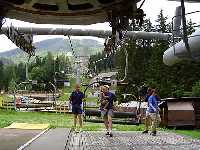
(42, 69)
(145, 63)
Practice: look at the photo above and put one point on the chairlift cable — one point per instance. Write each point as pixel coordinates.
(141, 4)
(3, 21)
(185, 38)
(71, 46)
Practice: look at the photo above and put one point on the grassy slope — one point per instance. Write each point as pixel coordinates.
(55, 120)
(66, 121)
(67, 90)
(191, 133)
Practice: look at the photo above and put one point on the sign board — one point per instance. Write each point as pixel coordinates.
(66, 84)
(34, 81)
(114, 83)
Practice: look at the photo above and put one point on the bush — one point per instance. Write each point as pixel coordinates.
(178, 91)
(196, 89)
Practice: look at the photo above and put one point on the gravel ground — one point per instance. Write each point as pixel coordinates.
(132, 141)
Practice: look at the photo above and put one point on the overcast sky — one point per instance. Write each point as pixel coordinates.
(151, 8)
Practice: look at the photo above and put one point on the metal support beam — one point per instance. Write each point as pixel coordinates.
(95, 33)
(185, 39)
(78, 73)
(1, 22)
(27, 77)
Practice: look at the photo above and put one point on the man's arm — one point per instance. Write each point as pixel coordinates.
(106, 105)
(151, 99)
(70, 98)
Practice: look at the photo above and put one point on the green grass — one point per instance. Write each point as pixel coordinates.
(66, 91)
(191, 133)
(55, 121)
(66, 121)
(91, 99)
(6, 97)
(64, 97)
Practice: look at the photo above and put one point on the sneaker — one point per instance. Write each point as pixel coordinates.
(145, 131)
(111, 135)
(153, 133)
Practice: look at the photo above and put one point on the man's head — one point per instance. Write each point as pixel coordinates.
(102, 88)
(149, 91)
(153, 92)
(106, 88)
(77, 87)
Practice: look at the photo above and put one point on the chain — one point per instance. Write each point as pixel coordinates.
(71, 46)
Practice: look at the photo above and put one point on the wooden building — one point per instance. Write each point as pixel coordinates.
(184, 111)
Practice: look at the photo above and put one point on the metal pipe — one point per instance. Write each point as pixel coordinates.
(84, 32)
(179, 52)
(176, 23)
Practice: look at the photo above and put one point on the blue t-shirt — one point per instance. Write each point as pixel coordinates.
(110, 99)
(76, 98)
(153, 101)
(147, 97)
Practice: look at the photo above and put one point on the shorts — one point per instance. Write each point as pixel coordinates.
(107, 113)
(155, 116)
(147, 114)
(76, 109)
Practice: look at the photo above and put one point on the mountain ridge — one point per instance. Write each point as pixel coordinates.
(58, 46)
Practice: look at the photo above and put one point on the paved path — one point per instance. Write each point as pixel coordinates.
(54, 139)
(11, 139)
(63, 139)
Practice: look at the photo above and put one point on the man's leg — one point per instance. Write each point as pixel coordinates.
(147, 123)
(105, 118)
(153, 123)
(75, 120)
(158, 120)
(110, 114)
(80, 121)
(110, 123)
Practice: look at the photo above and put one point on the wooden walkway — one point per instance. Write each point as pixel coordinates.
(63, 139)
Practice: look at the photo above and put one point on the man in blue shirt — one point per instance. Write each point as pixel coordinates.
(76, 100)
(147, 121)
(153, 110)
(107, 112)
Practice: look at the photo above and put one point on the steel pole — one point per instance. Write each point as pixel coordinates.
(83, 32)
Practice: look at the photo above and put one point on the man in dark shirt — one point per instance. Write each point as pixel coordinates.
(107, 112)
(76, 99)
